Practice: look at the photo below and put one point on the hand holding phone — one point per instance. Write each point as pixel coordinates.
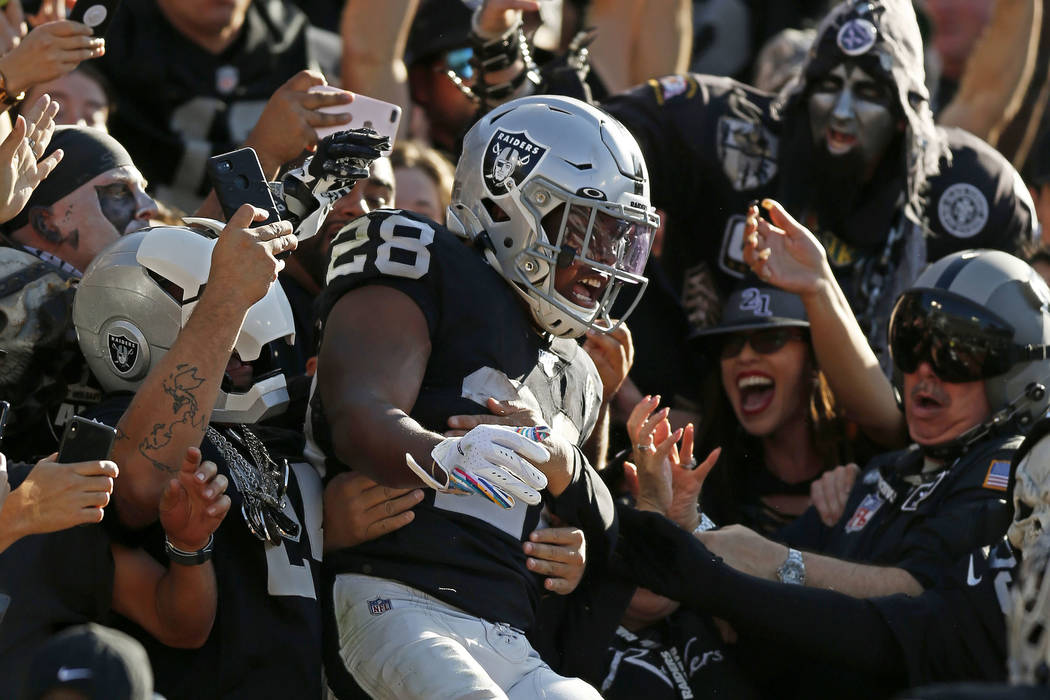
(85, 441)
(96, 14)
(238, 179)
(365, 112)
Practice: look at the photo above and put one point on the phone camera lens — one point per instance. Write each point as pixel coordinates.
(225, 166)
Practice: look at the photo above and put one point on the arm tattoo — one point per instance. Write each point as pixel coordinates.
(180, 386)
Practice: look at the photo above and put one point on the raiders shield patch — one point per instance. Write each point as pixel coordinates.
(123, 352)
(509, 158)
(748, 152)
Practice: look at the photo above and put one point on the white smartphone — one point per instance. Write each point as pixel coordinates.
(364, 112)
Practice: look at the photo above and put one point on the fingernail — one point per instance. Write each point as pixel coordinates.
(213, 510)
(200, 476)
(528, 547)
(751, 221)
(767, 203)
(209, 492)
(764, 254)
(530, 562)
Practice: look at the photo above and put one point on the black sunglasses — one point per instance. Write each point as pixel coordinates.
(963, 342)
(763, 342)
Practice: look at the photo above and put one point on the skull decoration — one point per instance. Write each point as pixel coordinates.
(1031, 497)
(1028, 636)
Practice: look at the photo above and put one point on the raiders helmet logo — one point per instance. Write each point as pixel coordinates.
(509, 158)
(123, 352)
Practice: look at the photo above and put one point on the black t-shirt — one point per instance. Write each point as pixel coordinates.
(924, 527)
(178, 104)
(463, 549)
(266, 640)
(54, 581)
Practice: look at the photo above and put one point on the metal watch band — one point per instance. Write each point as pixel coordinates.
(180, 556)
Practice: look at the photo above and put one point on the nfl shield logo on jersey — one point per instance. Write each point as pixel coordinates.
(509, 158)
(379, 606)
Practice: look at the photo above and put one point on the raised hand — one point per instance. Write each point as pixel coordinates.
(194, 503)
(560, 554)
(784, 253)
(244, 262)
(497, 16)
(289, 122)
(21, 149)
(48, 52)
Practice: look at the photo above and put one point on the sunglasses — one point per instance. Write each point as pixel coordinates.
(459, 62)
(961, 341)
(763, 342)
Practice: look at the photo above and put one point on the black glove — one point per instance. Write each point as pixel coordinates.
(341, 159)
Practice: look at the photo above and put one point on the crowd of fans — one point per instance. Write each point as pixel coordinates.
(668, 349)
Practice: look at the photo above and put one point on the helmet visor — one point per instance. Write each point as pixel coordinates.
(597, 236)
(963, 342)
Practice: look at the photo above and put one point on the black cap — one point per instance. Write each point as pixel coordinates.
(100, 662)
(87, 153)
(752, 305)
(439, 25)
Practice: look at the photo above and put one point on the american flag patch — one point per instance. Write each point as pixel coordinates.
(998, 475)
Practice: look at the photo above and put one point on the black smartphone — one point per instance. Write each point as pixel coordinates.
(96, 14)
(238, 179)
(85, 441)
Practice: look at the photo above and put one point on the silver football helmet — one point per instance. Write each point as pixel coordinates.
(138, 294)
(557, 193)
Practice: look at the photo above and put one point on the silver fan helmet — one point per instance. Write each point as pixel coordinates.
(557, 193)
(138, 294)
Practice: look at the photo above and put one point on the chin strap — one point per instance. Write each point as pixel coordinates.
(1013, 413)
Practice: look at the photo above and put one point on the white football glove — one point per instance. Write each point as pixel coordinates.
(490, 461)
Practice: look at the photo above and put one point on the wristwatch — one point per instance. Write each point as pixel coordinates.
(793, 570)
(5, 96)
(181, 556)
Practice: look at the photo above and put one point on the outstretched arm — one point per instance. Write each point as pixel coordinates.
(787, 255)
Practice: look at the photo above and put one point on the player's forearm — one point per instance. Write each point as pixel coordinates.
(173, 407)
(186, 603)
(858, 580)
(851, 368)
(372, 437)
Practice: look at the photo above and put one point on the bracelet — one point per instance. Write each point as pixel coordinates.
(180, 556)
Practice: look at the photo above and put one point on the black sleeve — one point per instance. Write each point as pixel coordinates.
(668, 118)
(654, 552)
(587, 504)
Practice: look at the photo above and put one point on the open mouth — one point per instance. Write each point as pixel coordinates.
(840, 142)
(925, 404)
(587, 289)
(756, 392)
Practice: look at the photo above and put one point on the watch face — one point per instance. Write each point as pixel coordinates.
(791, 572)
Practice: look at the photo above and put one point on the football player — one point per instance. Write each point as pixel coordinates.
(550, 218)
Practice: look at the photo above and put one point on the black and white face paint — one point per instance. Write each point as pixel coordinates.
(851, 114)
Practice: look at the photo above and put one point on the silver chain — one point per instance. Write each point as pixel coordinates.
(262, 485)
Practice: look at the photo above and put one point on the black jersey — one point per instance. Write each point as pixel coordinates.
(959, 633)
(177, 103)
(266, 640)
(463, 549)
(921, 522)
(53, 581)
